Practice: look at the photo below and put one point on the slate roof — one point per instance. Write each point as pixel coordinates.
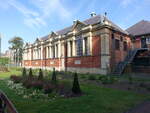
(93, 20)
(140, 28)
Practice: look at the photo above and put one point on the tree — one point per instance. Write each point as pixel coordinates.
(54, 76)
(4, 61)
(76, 87)
(40, 77)
(30, 73)
(24, 72)
(17, 47)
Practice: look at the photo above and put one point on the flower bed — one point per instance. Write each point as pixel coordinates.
(38, 86)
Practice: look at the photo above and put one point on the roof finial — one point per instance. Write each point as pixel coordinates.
(105, 14)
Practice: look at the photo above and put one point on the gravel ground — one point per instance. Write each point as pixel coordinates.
(141, 108)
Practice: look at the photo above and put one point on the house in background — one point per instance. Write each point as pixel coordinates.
(140, 33)
(95, 45)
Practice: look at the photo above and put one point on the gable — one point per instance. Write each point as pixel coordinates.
(78, 26)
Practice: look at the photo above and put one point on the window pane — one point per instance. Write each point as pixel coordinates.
(125, 46)
(86, 45)
(79, 47)
(117, 44)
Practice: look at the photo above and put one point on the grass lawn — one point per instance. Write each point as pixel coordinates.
(6, 75)
(95, 100)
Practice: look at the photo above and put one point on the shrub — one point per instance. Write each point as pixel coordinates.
(92, 77)
(65, 87)
(40, 77)
(48, 88)
(101, 77)
(83, 76)
(37, 84)
(148, 88)
(16, 79)
(108, 79)
(30, 73)
(142, 85)
(54, 77)
(27, 83)
(130, 79)
(24, 72)
(76, 87)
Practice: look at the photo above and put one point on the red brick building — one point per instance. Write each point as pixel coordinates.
(95, 45)
(140, 35)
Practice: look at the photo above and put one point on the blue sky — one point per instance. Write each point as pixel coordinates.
(30, 19)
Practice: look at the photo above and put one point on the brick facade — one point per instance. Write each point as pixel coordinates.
(87, 47)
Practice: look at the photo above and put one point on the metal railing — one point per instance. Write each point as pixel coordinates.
(6, 105)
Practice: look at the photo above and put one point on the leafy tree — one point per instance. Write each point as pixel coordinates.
(4, 61)
(24, 72)
(54, 76)
(30, 73)
(17, 47)
(76, 87)
(40, 77)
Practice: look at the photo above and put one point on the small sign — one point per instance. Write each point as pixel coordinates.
(77, 62)
(52, 62)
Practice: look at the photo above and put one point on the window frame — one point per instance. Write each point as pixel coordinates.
(117, 44)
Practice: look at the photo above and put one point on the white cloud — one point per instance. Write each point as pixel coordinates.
(126, 2)
(21, 8)
(50, 7)
(37, 18)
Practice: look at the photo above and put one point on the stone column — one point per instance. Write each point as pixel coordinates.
(90, 44)
(83, 43)
(105, 51)
(73, 47)
(50, 52)
(42, 52)
(68, 45)
(59, 49)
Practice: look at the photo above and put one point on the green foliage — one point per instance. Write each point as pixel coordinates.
(30, 73)
(40, 77)
(130, 79)
(54, 77)
(16, 79)
(17, 45)
(124, 100)
(48, 88)
(92, 77)
(101, 77)
(24, 72)
(76, 87)
(4, 61)
(108, 79)
(83, 76)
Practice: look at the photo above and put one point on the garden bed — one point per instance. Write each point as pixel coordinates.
(97, 96)
(47, 86)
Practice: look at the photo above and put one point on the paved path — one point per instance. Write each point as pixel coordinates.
(141, 108)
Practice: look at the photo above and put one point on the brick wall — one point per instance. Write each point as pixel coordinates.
(84, 61)
(118, 55)
(137, 43)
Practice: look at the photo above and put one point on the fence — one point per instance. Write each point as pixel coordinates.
(6, 105)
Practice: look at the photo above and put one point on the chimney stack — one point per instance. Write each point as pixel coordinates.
(74, 21)
(93, 14)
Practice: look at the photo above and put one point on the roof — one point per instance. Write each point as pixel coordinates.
(140, 28)
(90, 21)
